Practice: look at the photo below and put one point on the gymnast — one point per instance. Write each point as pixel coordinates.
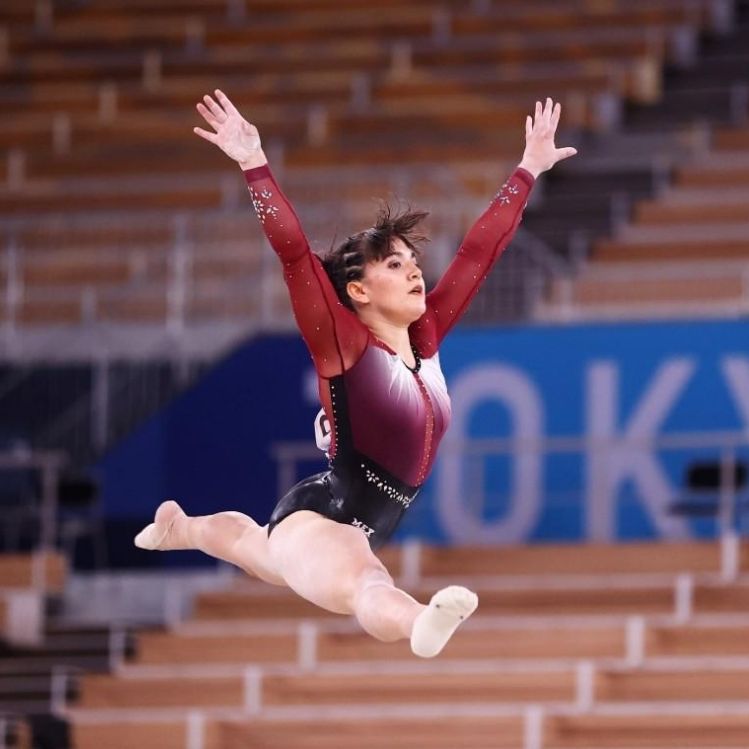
(373, 332)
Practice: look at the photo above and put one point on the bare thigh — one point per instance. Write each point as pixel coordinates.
(321, 560)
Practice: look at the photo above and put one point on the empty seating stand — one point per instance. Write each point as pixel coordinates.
(42, 571)
(684, 251)
(27, 583)
(592, 646)
(26, 580)
(103, 98)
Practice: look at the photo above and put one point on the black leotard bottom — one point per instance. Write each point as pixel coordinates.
(357, 493)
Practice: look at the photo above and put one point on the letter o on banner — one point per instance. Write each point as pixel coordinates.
(456, 513)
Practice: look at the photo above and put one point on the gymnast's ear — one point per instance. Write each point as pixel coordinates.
(357, 293)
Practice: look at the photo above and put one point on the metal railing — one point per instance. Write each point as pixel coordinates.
(467, 458)
(164, 289)
(122, 394)
(49, 465)
(231, 234)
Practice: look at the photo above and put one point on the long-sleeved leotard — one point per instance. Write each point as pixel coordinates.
(386, 419)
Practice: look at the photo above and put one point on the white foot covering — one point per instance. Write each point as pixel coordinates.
(152, 537)
(435, 625)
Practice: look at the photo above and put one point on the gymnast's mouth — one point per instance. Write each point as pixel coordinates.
(417, 290)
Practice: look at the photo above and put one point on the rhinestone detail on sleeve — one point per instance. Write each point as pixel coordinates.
(263, 208)
(503, 197)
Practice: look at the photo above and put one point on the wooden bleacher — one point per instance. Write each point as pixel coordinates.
(565, 651)
(478, 732)
(45, 571)
(578, 641)
(691, 557)
(17, 735)
(686, 251)
(103, 97)
(447, 686)
(26, 581)
(679, 731)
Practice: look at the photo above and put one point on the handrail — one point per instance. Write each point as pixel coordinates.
(49, 463)
(306, 449)
(726, 443)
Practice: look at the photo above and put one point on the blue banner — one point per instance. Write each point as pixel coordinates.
(558, 433)
(603, 423)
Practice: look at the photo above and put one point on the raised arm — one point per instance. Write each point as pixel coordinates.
(322, 320)
(492, 233)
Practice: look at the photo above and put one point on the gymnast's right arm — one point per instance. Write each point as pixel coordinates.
(322, 320)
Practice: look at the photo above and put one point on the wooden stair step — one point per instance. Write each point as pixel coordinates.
(592, 290)
(572, 559)
(694, 685)
(442, 732)
(480, 644)
(707, 176)
(418, 689)
(162, 734)
(23, 570)
(105, 691)
(731, 139)
(679, 731)
(655, 213)
(645, 252)
(726, 640)
(167, 647)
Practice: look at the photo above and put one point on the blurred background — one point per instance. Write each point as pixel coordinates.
(593, 485)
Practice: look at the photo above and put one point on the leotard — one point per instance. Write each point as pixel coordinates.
(385, 419)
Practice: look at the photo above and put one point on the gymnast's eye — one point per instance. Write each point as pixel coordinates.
(394, 264)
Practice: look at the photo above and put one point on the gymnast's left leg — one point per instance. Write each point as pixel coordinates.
(332, 565)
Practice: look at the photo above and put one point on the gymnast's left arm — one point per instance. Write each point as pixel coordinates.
(492, 233)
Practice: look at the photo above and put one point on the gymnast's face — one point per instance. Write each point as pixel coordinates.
(393, 287)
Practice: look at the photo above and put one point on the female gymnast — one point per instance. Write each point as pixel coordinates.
(373, 333)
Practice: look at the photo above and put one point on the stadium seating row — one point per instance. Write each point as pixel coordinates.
(686, 251)
(106, 92)
(572, 647)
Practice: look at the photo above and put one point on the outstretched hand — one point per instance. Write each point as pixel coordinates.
(236, 137)
(540, 151)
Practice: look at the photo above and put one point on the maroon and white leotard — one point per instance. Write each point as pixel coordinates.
(386, 419)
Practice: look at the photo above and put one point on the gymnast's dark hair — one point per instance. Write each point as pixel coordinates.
(347, 261)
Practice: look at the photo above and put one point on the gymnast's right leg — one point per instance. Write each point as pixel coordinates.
(229, 536)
